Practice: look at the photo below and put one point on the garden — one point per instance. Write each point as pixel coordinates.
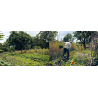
(33, 57)
(78, 55)
(23, 49)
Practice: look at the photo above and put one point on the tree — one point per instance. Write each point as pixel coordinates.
(19, 40)
(0, 44)
(68, 38)
(46, 37)
(1, 36)
(35, 41)
(83, 36)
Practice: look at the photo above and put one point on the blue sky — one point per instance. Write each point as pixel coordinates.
(33, 33)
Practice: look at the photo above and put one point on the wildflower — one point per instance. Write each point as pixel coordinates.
(72, 62)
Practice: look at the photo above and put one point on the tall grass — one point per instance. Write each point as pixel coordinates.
(33, 57)
(37, 51)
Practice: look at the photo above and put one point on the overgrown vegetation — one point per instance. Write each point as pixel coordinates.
(79, 51)
(30, 58)
(22, 49)
(4, 63)
(78, 55)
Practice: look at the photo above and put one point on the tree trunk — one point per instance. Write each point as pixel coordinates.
(84, 45)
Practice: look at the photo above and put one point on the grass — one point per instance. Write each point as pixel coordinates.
(33, 51)
(37, 57)
(27, 59)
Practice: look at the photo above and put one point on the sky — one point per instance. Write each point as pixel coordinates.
(33, 33)
(63, 33)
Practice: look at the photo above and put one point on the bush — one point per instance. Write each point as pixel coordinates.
(12, 49)
(95, 61)
(1, 51)
(5, 49)
(61, 46)
(46, 51)
(33, 51)
(54, 50)
(73, 47)
(37, 47)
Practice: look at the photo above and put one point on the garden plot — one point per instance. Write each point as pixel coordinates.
(76, 59)
(26, 59)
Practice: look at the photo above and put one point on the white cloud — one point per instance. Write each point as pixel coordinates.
(33, 33)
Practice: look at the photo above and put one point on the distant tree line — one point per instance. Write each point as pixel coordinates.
(20, 40)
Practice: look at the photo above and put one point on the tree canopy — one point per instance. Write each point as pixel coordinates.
(19, 40)
(83, 36)
(1, 36)
(47, 35)
(68, 37)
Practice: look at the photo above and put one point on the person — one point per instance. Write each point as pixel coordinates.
(67, 45)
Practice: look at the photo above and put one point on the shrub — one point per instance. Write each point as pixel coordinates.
(73, 47)
(1, 51)
(12, 49)
(45, 51)
(61, 46)
(32, 51)
(54, 50)
(37, 47)
(5, 49)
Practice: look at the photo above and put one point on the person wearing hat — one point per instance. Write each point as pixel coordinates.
(67, 45)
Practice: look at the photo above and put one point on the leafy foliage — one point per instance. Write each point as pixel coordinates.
(68, 37)
(54, 50)
(35, 51)
(48, 35)
(4, 63)
(76, 59)
(31, 58)
(1, 51)
(83, 36)
(1, 36)
(37, 47)
(78, 56)
(19, 40)
(61, 46)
